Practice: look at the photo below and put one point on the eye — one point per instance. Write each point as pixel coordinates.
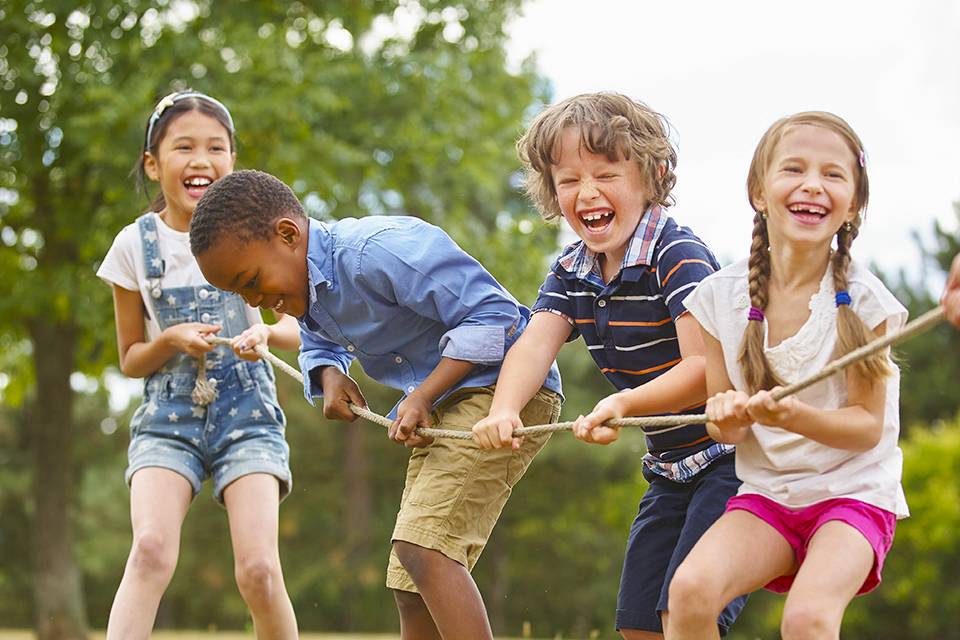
(218, 148)
(566, 181)
(835, 174)
(607, 176)
(791, 168)
(252, 282)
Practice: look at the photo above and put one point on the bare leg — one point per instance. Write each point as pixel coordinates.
(416, 622)
(253, 502)
(159, 499)
(739, 554)
(449, 592)
(838, 560)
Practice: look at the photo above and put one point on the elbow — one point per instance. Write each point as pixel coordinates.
(869, 440)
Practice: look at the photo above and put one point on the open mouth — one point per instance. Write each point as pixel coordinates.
(197, 185)
(597, 220)
(808, 213)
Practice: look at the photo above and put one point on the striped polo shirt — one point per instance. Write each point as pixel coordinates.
(628, 323)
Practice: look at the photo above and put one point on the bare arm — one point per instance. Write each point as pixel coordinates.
(523, 372)
(283, 334)
(856, 427)
(415, 409)
(726, 410)
(682, 386)
(951, 296)
(139, 358)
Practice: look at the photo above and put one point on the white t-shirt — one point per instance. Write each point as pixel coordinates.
(791, 469)
(124, 266)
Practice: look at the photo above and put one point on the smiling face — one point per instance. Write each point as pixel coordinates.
(270, 274)
(195, 151)
(602, 200)
(809, 189)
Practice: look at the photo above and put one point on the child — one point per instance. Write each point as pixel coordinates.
(421, 316)
(951, 295)
(605, 163)
(164, 309)
(821, 470)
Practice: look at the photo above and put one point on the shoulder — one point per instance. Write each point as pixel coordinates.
(871, 299)
(677, 242)
(729, 283)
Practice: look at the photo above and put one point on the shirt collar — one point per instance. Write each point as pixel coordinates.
(319, 257)
(581, 261)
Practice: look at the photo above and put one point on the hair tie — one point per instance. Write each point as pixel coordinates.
(843, 298)
(169, 100)
(755, 314)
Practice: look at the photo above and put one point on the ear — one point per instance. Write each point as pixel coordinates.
(759, 202)
(288, 231)
(150, 166)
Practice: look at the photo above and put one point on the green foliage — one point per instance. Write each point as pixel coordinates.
(931, 359)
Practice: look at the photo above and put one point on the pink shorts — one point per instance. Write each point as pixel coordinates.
(797, 526)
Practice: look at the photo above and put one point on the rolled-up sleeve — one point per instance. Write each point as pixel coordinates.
(436, 279)
(318, 352)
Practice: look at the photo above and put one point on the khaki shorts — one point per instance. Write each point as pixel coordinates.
(455, 490)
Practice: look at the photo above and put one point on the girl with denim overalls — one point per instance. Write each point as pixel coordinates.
(207, 411)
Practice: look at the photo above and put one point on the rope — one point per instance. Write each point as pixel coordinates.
(651, 425)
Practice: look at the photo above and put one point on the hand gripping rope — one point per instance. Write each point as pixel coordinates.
(651, 425)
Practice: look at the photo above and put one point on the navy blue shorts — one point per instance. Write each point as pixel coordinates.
(671, 518)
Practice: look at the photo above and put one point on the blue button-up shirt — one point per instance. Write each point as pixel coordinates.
(397, 294)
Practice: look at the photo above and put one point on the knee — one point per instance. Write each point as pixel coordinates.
(808, 621)
(153, 555)
(409, 603)
(415, 559)
(257, 578)
(693, 596)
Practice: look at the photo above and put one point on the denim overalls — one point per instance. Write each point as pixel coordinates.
(242, 430)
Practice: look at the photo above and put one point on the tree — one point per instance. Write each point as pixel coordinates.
(933, 357)
(364, 107)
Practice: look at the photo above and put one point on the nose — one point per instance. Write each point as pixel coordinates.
(812, 183)
(199, 159)
(588, 189)
(251, 298)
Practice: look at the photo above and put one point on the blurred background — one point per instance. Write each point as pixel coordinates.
(376, 106)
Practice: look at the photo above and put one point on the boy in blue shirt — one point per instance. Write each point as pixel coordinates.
(421, 316)
(605, 164)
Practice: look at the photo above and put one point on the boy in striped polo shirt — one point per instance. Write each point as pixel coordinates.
(604, 163)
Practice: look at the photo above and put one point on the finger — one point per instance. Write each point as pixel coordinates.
(517, 443)
(505, 430)
(356, 397)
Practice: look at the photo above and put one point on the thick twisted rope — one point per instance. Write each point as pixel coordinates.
(651, 425)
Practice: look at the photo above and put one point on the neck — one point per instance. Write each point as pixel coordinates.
(178, 221)
(793, 267)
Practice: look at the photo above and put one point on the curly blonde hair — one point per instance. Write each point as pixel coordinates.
(852, 333)
(610, 124)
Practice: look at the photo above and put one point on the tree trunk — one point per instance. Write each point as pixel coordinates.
(58, 598)
(358, 508)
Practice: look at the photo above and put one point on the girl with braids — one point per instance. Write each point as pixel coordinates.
(821, 491)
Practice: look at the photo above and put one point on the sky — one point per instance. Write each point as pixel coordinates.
(722, 72)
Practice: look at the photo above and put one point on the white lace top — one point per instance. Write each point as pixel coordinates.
(781, 465)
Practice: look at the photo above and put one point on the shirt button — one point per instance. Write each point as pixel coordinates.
(601, 303)
(398, 359)
(411, 389)
(205, 317)
(204, 294)
(351, 348)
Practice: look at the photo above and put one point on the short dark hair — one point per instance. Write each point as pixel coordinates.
(242, 204)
